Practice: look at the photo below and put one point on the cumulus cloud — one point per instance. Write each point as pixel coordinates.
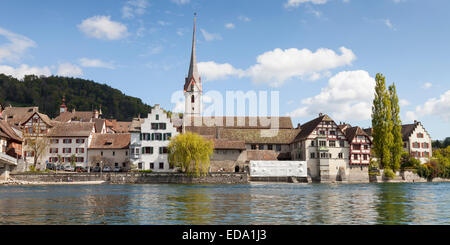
(404, 102)
(212, 71)
(435, 106)
(210, 36)
(276, 67)
(16, 46)
(68, 69)
(348, 97)
(23, 70)
(95, 63)
(244, 18)
(296, 3)
(102, 27)
(134, 8)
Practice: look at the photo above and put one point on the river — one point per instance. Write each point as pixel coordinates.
(256, 203)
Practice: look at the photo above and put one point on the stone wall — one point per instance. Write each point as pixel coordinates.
(136, 178)
(358, 174)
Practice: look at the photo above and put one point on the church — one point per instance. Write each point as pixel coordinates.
(239, 140)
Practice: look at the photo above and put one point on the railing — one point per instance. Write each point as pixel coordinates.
(8, 159)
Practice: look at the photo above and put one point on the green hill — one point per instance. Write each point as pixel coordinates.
(83, 95)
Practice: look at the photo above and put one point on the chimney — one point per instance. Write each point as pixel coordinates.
(415, 121)
(298, 125)
(320, 114)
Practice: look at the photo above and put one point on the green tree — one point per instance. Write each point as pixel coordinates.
(397, 143)
(191, 153)
(382, 123)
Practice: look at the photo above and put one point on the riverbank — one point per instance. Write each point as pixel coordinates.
(129, 178)
(20, 182)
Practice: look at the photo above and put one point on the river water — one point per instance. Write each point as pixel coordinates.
(259, 204)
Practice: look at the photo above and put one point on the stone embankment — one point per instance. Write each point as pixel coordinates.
(129, 178)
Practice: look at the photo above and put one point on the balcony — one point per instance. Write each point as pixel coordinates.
(323, 148)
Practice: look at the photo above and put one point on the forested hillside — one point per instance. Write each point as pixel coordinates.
(83, 95)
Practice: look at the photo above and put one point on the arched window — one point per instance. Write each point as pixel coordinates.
(192, 99)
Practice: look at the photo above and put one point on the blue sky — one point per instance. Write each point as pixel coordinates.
(321, 55)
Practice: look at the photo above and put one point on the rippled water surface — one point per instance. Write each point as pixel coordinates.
(268, 203)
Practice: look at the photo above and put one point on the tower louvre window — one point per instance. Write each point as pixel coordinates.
(192, 99)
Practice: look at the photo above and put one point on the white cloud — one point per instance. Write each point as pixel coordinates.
(404, 102)
(96, 63)
(276, 67)
(212, 71)
(181, 2)
(23, 70)
(388, 23)
(210, 36)
(435, 106)
(296, 3)
(134, 8)
(102, 27)
(68, 69)
(348, 97)
(16, 47)
(427, 85)
(229, 26)
(244, 18)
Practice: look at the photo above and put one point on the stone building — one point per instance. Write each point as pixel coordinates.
(111, 149)
(70, 139)
(150, 138)
(324, 147)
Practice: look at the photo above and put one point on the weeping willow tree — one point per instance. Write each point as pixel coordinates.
(191, 153)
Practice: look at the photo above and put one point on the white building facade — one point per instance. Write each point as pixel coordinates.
(149, 146)
(417, 141)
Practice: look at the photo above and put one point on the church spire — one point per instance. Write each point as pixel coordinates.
(193, 75)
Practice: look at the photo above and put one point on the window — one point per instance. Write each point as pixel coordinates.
(155, 126)
(261, 147)
(157, 117)
(342, 143)
(365, 157)
(162, 126)
(116, 164)
(157, 136)
(54, 141)
(366, 147)
(53, 150)
(332, 143)
(140, 165)
(355, 156)
(67, 150)
(101, 153)
(163, 150)
(161, 165)
(114, 153)
(341, 155)
(80, 159)
(253, 147)
(332, 132)
(79, 150)
(313, 155)
(269, 147)
(67, 141)
(152, 165)
(322, 132)
(419, 135)
(126, 153)
(426, 154)
(147, 150)
(425, 145)
(361, 137)
(322, 143)
(278, 147)
(323, 155)
(312, 143)
(80, 141)
(167, 136)
(192, 99)
(357, 147)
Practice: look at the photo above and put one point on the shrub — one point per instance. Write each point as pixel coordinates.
(388, 173)
(145, 171)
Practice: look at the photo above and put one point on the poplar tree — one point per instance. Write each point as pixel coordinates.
(397, 144)
(382, 123)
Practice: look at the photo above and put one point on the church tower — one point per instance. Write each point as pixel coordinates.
(63, 107)
(193, 86)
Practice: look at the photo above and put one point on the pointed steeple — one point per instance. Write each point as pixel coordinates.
(193, 75)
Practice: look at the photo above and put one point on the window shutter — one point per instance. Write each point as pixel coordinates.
(140, 136)
(153, 136)
(151, 150)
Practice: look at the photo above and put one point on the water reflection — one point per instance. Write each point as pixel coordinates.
(419, 203)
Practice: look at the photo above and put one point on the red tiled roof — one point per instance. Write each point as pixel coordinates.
(110, 141)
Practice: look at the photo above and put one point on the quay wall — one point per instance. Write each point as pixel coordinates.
(135, 178)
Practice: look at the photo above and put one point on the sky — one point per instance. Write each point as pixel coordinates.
(321, 56)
